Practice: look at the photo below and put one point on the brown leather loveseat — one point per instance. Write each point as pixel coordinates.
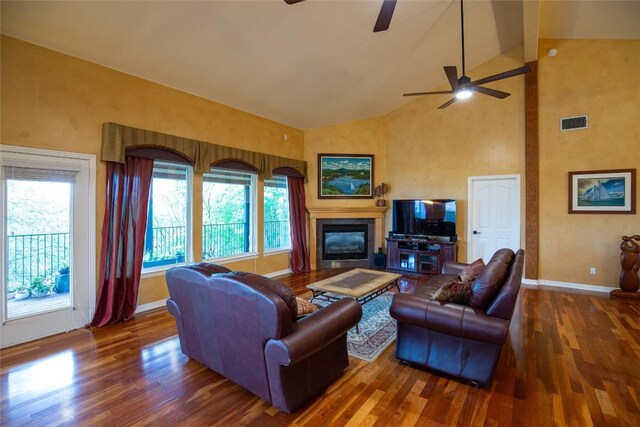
(244, 326)
(461, 340)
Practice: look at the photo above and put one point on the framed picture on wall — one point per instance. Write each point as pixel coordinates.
(603, 192)
(345, 176)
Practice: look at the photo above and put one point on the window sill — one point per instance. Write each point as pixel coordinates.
(272, 252)
(232, 258)
(159, 271)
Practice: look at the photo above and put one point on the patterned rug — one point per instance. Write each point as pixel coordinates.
(377, 329)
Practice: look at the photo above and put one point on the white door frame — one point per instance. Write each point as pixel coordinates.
(470, 181)
(17, 154)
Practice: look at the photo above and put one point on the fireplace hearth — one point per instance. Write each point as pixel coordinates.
(345, 243)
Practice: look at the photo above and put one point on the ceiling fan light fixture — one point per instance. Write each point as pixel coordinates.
(464, 94)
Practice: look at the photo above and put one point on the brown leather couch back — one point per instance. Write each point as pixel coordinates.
(281, 290)
(227, 318)
(504, 303)
(490, 280)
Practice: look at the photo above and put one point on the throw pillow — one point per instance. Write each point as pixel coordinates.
(305, 307)
(453, 291)
(472, 270)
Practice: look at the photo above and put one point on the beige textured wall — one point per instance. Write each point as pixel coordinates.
(599, 78)
(359, 137)
(431, 152)
(54, 101)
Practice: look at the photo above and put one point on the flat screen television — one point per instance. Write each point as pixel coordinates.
(419, 217)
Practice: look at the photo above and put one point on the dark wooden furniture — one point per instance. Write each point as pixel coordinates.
(419, 256)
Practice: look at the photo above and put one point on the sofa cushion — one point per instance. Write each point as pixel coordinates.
(472, 270)
(454, 291)
(427, 290)
(305, 307)
(490, 279)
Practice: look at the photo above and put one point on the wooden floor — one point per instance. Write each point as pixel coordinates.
(571, 359)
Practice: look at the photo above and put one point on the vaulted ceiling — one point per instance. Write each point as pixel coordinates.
(311, 64)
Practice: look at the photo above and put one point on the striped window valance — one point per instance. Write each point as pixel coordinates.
(118, 140)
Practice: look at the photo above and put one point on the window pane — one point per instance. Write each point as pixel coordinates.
(38, 246)
(276, 214)
(226, 213)
(166, 239)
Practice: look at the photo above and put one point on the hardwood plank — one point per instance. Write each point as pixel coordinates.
(571, 358)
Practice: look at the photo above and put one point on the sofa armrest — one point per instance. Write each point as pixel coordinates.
(448, 318)
(314, 332)
(174, 310)
(452, 267)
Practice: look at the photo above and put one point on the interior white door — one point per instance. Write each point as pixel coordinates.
(47, 222)
(494, 215)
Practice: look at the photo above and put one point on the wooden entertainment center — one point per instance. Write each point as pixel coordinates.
(416, 255)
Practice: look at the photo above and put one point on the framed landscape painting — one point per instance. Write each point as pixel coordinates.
(345, 176)
(606, 191)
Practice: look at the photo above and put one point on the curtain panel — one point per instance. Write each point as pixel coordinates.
(300, 262)
(118, 139)
(123, 232)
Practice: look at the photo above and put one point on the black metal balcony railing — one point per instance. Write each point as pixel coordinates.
(35, 255)
(164, 246)
(276, 235)
(221, 240)
(42, 255)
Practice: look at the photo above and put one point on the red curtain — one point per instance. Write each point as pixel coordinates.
(298, 219)
(123, 230)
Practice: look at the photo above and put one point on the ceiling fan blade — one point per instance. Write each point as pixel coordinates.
(452, 75)
(427, 93)
(446, 104)
(292, 1)
(385, 15)
(491, 92)
(503, 75)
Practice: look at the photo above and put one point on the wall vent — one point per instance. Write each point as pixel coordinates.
(574, 123)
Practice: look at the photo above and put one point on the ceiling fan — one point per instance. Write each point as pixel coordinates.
(463, 87)
(384, 17)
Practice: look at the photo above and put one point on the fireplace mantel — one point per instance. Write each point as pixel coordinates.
(378, 213)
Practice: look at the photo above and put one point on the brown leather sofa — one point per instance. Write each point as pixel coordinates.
(244, 327)
(461, 340)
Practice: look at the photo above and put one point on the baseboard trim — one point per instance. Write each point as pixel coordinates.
(161, 303)
(151, 305)
(278, 273)
(568, 285)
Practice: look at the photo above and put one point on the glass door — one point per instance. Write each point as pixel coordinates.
(429, 263)
(47, 256)
(38, 234)
(408, 261)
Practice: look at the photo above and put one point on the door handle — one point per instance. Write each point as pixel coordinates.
(476, 232)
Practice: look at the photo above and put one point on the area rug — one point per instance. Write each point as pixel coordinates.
(377, 329)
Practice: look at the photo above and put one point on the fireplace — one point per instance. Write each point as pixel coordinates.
(348, 241)
(345, 243)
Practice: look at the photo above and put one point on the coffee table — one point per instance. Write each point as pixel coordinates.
(360, 284)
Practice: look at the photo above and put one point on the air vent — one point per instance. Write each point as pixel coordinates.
(574, 123)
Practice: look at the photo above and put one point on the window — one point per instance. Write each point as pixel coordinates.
(276, 214)
(168, 234)
(228, 220)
